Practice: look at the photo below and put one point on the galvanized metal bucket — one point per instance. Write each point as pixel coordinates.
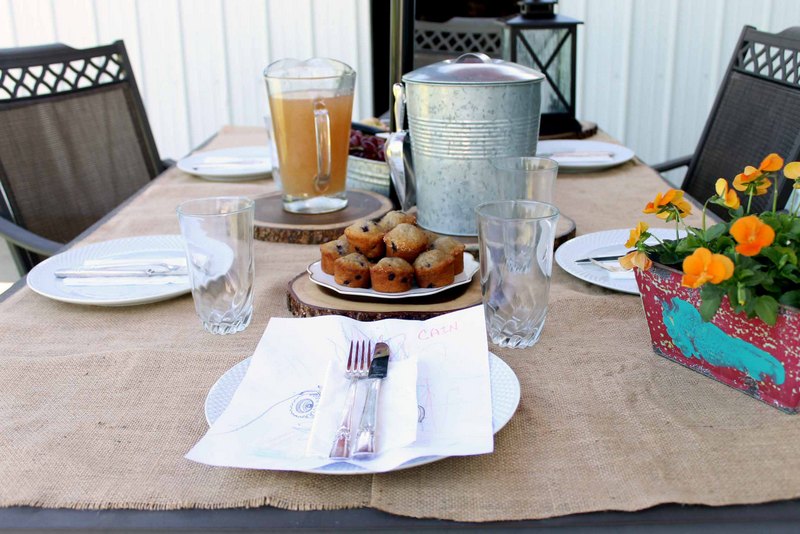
(461, 114)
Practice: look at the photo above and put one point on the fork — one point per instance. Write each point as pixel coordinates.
(357, 368)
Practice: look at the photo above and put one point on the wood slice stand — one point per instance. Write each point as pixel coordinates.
(272, 223)
(307, 299)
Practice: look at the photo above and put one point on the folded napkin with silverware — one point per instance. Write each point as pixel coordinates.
(580, 156)
(126, 272)
(422, 389)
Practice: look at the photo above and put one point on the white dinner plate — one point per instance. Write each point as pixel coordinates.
(620, 154)
(229, 164)
(605, 243)
(505, 399)
(42, 277)
(316, 274)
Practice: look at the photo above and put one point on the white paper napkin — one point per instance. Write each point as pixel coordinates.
(582, 159)
(397, 406)
(124, 280)
(269, 422)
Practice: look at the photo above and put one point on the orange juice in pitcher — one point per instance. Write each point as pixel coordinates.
(311, 104)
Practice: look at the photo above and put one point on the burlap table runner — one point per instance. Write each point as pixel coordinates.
(99, 405)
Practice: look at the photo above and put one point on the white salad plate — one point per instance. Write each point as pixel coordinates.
(560, 150)
(316, 274)
(42, 278)
(229, 164)
(606, 243)
(505, 399)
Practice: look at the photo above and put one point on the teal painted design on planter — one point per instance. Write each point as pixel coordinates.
(701, 340)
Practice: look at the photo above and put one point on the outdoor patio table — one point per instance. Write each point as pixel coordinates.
(99, 405)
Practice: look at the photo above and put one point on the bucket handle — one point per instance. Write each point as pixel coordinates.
(473, 57)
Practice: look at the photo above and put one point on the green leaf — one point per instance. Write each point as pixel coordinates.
(716, 231)
(788, 253)
(711, 298)
(687, 246)
(794, 231)
(773, 255)
(669, 258)
(791, 298)
(767, 309)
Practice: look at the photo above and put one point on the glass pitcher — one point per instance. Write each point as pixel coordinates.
(311, 103)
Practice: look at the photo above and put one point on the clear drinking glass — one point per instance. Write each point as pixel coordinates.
(516, 256)
(311, 104)
(218, 236)
(525, 178)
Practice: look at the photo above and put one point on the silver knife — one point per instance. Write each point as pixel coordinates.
(365, 439)
(600, 258)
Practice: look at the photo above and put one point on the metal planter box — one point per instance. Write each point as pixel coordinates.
(746, 354)
(368, 174)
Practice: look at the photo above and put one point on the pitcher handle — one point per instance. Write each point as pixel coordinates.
(322, 128)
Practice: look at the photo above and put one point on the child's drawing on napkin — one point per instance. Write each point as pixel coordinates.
(435, 401)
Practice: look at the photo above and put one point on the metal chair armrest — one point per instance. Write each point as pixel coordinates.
(28, 240)
(673, 164)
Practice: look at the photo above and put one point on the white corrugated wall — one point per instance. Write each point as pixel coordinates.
(198, 63)
(648, 70)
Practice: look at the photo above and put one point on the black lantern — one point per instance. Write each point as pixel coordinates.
(547, 41)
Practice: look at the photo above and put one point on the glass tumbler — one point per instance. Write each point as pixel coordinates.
(516, 257)
(525, 178)
(311, 104)
(218, 237)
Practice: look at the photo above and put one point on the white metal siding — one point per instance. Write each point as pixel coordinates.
(648, 70)
(198, 63)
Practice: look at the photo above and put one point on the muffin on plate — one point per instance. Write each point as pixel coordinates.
(434, 268)
(352, 270)
(455, 248)
(332, 251)
(392, 275)
(432, 236)
(393, 218)
(366, 237)
(405, 241)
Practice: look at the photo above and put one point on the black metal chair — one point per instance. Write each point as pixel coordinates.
(74, 143)
(756, 111)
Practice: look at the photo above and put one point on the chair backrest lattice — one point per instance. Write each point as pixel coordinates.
(60, 77)
(756, 112)
(771, 62)
(434, 41)
(74, 139)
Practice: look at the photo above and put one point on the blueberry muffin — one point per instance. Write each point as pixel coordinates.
(366, 237)
(455, 248)
(432, 236)
(332, 251)
(352, 270)
(393, 218)
(392, 275)
(405, 241)
(434, 268)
